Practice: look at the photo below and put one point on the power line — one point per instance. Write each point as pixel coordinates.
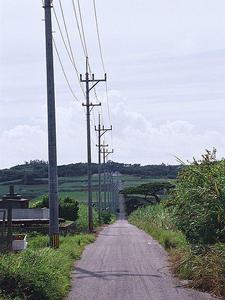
(67, 34)
(82, 27)
(79, 30)
(85, 43)
(63, 70)
(61, 34)
(101, 55)
(98, 34)
(69, 51)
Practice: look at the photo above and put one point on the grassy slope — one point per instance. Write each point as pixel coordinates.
(204, 267)
(41, 272)
(68, 186)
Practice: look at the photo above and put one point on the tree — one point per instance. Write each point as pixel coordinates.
(152, 189)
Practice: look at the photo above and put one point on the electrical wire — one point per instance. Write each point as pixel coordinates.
(63, 70)
(84, 46)
(82, 27)
(98, 34)
(69, 43)
(84, 41)
(102, 60)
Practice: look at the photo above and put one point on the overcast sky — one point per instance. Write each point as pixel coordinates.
(165, 62)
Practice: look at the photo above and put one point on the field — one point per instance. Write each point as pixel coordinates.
(75, 187)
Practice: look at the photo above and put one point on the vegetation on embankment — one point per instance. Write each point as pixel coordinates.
(191, 225)
(157, 220)
(41, 272)
(203, 265)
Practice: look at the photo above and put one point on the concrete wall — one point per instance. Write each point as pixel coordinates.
(29, 213)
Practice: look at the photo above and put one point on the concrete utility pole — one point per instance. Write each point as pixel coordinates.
(52, 154)
(105, 153)
(88, 105)
(101, 131)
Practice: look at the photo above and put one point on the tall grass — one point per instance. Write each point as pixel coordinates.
(41, 272)
(158, 222)
(82, 221)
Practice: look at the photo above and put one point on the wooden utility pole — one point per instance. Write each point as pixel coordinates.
(52, 153)
(101, 131)
(87, 81)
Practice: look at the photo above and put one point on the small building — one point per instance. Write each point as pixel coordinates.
(13, 200)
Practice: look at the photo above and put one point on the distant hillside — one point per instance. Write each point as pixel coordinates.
(34, 169)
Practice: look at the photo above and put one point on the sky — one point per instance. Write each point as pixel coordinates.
(165, 63)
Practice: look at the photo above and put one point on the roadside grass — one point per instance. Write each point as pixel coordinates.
(205, 268)
(82, 221)
(158, 222)
(202, 265)
(41, 272)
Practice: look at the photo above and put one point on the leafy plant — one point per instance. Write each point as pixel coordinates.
(68, 209)
(199, 200)
(106, 217)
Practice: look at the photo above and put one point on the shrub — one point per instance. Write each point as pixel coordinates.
(68, 207)
(43, 202)
(200, 200)
(106, 217)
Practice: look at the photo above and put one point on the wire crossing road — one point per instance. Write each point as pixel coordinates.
(127, 264)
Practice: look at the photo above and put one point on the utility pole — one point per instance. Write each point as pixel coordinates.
(87, 80)
(52, 153)
(105, 153)
(101, 131)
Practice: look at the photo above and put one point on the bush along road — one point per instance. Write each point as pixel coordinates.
(191, 224)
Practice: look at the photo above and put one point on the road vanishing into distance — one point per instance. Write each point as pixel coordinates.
(125, 263)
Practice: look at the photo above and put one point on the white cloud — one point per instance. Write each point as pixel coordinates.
(156, 144)
(22, 143)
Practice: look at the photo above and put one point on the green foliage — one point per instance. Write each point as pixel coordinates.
(192, 224)
(106, 217)
(150, 191)
(205, 267)
(37, 169)
(132, 203)
(199, 200)
(157, 220)
(82, 221)
(41, 273)
(151, 188)
(43, 202)
(68, 207)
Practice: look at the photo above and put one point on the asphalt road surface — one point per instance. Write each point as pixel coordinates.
(127, 264)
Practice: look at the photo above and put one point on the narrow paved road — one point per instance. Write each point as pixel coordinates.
(126, 264)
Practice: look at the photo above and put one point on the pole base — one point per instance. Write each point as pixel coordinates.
(54, 241)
